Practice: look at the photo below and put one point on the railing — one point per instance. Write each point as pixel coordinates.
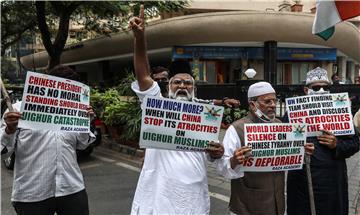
(239, 91)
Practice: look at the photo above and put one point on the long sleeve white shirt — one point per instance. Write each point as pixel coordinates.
(171, 182)
(45, 162)
(231, 143)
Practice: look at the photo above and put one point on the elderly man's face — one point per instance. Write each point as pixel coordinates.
(266, 104)
(181, 87)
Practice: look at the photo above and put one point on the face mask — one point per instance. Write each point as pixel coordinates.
(336, 82)
(163, 88)
(319, 92)
(261, 115)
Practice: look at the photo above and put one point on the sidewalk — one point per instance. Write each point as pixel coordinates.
(353, 165)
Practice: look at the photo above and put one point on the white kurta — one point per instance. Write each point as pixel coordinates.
(171, 182)
(231, 143)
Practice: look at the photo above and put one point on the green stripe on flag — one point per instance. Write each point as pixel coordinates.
(327, 33)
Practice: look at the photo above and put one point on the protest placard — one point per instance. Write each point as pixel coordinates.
(179, 125)
(274, 146)
(331, 112)
(53, 103)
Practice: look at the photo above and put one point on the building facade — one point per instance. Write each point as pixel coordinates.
(221, 41)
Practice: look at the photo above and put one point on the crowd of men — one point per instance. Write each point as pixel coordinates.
(48, 180)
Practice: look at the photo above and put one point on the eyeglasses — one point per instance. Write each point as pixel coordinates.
(317, 88)
(178, 82)
(269, 101)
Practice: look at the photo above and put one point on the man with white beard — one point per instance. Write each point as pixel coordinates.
(171, 182)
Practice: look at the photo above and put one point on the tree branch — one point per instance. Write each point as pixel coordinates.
(43, 27)
(5, 42)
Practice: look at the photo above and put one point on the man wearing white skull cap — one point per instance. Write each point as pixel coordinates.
(252, 193)
(260, 192)
(328, 165)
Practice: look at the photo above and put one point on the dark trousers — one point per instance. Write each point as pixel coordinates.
(73, 204)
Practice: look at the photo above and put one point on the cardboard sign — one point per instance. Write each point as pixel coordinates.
(53, 103)
(275, 146)
(331, 112)
(179, 125)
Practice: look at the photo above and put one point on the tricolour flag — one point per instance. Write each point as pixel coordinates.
(329, 13)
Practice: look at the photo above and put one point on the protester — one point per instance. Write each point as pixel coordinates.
(335, 79)
(253, 192)
(161, 76)
(357, 80)
(171, 182)
(47, 177)
(357, 120)
(328, 165)
(355, 100)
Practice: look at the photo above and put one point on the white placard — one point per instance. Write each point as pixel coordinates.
(53, 103)
(331, 112)
(275, 146)
(179, 125)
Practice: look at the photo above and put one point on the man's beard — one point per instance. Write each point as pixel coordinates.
(181, 95)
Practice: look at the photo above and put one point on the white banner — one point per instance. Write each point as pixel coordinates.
(53, 103)
(331, 112)
(275, 146)
(179, 125)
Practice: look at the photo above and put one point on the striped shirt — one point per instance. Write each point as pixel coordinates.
(45, 162)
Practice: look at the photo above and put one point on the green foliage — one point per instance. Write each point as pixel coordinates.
(100, 101)
(124, 87)
(51, 19)
(96, 102)
(231, 115)
(127, 114)
(17, 17)
(119, 106)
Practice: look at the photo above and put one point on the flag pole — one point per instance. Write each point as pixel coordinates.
(6, 96)
(310, 187)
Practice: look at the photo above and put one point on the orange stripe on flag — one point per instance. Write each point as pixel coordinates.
(348, 9)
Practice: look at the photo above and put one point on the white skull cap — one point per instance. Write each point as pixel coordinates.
(260, 88)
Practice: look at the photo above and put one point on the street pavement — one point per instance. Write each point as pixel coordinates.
(111, 179)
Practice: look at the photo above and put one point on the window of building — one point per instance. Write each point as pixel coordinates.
(293, 72)
(211, 71)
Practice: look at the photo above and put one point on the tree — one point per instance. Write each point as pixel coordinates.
(16, 19)
(101, 17)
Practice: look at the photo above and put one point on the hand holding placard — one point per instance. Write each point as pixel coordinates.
(240, 156)
(328, 139)
(309, 148)
(215, 150)
(12, 121)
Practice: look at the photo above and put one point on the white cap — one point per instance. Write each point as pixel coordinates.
(317, 75)
(260, 88)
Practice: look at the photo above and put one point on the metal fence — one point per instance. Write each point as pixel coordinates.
(239, 91)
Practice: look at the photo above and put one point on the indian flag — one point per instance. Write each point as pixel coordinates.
(329, 13)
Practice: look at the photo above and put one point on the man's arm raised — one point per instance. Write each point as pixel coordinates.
(141, 62)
